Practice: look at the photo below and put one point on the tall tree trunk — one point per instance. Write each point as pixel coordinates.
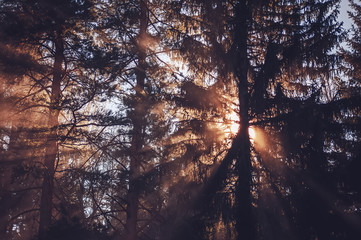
(138, 119)
(244, 219)
(51, 147)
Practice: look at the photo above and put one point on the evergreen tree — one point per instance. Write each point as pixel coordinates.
(134, 109)
(49, 36)
(265, 47)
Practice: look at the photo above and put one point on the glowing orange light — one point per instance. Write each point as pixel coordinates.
(252, 133)
(234, 125)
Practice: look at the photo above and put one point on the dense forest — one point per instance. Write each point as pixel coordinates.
(179, 120)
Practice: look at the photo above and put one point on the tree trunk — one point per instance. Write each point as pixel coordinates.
(244, 219)
(138, 119)
(51, 147)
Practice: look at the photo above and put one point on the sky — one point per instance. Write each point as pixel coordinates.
(344, 15)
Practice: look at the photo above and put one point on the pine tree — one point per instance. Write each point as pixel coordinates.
(128, 143)
(265, 47)
(49, 36)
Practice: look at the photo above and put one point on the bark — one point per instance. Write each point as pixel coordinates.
(51, 148)
(138, 119)
(244, 218)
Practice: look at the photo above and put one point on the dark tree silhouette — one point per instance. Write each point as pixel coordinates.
(119, 120)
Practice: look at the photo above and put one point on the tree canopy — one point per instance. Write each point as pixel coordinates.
(202, 119)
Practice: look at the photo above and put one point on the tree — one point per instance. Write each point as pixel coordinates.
(133, 106)
(263, 47)
(49, 36)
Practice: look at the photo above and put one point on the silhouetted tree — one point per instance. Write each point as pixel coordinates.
(265, 48)
(133, 105)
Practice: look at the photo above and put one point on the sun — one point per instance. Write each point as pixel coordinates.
(233, 125)
(252, 133)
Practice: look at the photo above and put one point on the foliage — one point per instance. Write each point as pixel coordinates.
(147, 136)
